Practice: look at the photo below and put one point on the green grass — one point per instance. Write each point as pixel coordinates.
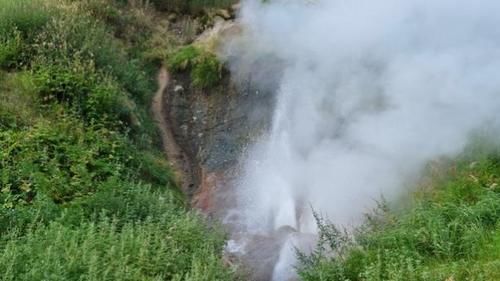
(130, 233)
(205, 69)
(17, 95)
(192, 6)
(85, 193)
(450, 231)
(20, 22)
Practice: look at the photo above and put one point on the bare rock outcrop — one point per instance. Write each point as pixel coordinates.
(214, 126)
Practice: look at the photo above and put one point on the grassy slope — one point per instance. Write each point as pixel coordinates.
(84, 191)
(449, 231)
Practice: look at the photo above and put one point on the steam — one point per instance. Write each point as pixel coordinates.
(369, 92)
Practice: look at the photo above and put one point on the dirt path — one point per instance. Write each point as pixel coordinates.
(178, 160)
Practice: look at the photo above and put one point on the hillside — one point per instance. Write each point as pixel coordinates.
(86, 192)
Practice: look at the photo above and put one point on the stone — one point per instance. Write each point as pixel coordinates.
(178, 88)
(223, 13)
(172, 17)
(236, 8)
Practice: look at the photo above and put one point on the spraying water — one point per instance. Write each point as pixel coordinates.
(370, 91)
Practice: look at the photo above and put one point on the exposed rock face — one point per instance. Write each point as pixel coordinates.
(213, 127)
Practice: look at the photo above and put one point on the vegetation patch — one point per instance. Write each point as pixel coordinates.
(85, 192)
(205, 69)
(137, 234)
(192, 6)
(17, 96)
(449, 232)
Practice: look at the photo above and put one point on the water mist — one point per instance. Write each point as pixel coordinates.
(370, 91)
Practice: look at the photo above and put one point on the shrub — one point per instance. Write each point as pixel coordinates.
(17, 100)
(19, 23)
(21, 217)
(115, 198)
(92, 95)
(11, 47)
(174, 248)
(70, 38)
(128, 201)
(28, 16)
(63, 160)
(183, 59)
(70, 84)
(206, 72)
(153, 167)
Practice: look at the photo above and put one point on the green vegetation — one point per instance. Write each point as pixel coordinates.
(171, 245)
(451, 231)
(192, 6)
(85, 192)
(205, 69)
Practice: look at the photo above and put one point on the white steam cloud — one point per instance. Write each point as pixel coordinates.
(369, 93)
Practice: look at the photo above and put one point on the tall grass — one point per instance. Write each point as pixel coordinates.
(173, 248)
(449, 232)
(28, 16)
(192, 6)
(19, 22)
(17, 96)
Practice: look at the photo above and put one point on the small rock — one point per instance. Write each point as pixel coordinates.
(225, 14)
(178, 88)
(218, 19)
(172, 17)
(236, 8)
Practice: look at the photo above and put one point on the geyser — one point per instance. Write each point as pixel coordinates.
(370, 91)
